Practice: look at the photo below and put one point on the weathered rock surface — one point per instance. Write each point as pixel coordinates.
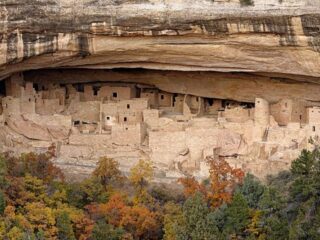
(270, 37)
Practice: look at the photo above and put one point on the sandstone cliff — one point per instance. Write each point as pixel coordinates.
(271, 41)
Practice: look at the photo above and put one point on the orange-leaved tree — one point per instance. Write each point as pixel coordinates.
(191, 186)
(141, 222)
(223, 181)
(112, 211)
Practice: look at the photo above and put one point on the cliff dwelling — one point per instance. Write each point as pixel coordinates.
(132, 80)
(87, 114)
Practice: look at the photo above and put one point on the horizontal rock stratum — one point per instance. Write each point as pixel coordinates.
(194, 35)
(272, 41)
(245, 77)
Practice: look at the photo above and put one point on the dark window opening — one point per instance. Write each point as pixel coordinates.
(197, 99)
(95, 91)
(125, 119)
(80, 87)
(84, 122)
(300, 117)
(115, 95)
(128, 106)
(126, 128)
(29, 99)
(224, 103)
(162, 97)
(36, 86)
(210, 101)
(2, 88)
(76, 123)
(108, 118)
(314, 128)
(174, 98)
(286, 105)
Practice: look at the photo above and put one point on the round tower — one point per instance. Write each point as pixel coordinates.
(261, 112)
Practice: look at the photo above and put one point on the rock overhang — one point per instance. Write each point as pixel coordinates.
(162, 35)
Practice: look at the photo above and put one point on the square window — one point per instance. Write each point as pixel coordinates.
(108, 118)
(115, 95)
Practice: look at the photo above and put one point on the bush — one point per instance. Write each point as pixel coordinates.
(246, 2)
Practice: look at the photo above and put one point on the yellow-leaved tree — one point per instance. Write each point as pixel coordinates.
(140, 175)
(107, 171)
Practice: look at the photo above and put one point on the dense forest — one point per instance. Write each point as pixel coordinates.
(37, 203)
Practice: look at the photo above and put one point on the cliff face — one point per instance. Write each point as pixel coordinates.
(197, 54)
(203, 35)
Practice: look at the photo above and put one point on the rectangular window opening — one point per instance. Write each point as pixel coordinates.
(36, 86)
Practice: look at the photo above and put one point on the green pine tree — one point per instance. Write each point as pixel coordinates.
(3, 172)
(104, 231)
(237, 215)
(2, 203)
(197, 220)
(65, 230)
(252, 190)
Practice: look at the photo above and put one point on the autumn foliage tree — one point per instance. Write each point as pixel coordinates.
(38, 165)
(139, 177)
(141, 222)
(191, 186)
(223, 180)
(141, 173)
(36, 203)
(107, 171)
